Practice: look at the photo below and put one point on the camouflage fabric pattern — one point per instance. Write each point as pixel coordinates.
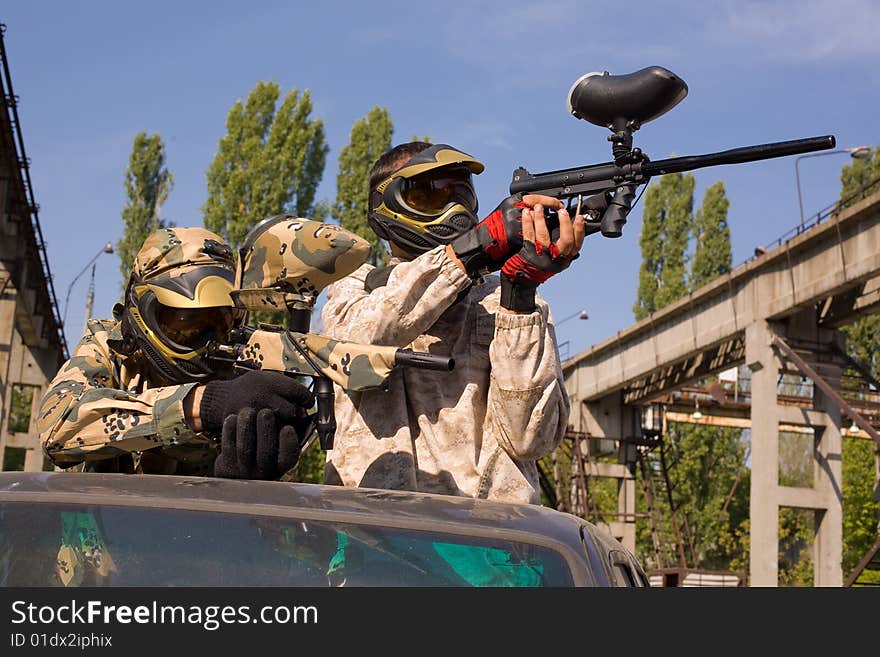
(476, 431)
(169, 251)
(291, 259)
(185, 268)
(83, 555)
(349, 365)
(101, 404)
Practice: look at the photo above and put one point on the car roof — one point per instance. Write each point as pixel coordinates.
(157, 490)
(414, 510)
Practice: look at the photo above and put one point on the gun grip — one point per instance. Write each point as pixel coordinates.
(325, 422)
(615, 216)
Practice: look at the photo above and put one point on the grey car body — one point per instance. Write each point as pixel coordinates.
(591, 557)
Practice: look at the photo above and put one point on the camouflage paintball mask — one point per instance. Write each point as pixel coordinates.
(179, 300)
(286, 261)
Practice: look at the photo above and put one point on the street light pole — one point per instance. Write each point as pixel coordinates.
(581, 314)
(856, 152)
(90, 299)
(107, 248)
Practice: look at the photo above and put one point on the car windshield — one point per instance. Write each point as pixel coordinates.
(84, 545)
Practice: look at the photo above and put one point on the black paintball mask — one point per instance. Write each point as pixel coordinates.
(428, 201)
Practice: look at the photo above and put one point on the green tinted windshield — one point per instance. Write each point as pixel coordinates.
(70, 545)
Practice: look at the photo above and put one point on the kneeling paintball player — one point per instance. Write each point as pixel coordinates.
(138, 396)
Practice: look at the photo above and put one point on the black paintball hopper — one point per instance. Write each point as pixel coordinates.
(619, 101)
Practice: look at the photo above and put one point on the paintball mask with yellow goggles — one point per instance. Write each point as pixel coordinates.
(176, 310)
(429, 201)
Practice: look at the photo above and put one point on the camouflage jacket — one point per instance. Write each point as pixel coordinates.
(476, 431)
(101, 405)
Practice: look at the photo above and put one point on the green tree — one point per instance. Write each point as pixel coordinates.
(863, 342)
(796, 542)
(857, 179)
(21, 402)
(733, 540)
(370, 138)
(147, 185)
(863, 336)
(712, 255)
(268, 162)
(709, 460)
(860, 509)
(651, 243)
(710, 500)
(666, 227)
(310, 468)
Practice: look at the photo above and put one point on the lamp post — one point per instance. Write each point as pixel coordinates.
(581, 314)
(855, 152)
(107, 248)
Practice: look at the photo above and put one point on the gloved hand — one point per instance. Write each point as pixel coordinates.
(487, 245)
(251, 447)
(539, 258)
(255, 389)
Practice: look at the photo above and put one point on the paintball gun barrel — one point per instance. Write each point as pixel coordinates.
(623, 103)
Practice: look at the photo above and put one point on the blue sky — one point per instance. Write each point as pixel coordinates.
(488, 76)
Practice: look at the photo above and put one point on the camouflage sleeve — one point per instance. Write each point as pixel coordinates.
(83, 416)
(416, 294)
(527, 405)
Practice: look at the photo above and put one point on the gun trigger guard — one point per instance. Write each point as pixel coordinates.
(580, 200)
(591, 227)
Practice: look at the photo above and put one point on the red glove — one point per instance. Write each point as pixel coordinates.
(546, 251)
(535, 263)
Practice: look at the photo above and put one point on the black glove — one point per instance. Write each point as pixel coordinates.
(257, 390)
(492, 241)
(252, 448)
(525, 271)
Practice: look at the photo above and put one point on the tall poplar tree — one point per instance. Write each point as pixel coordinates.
(370, 138)
(666, 228)
(147, 185)
(711, 457)
(270, 161)
(708, 459)
(712, 256)
(651, 244)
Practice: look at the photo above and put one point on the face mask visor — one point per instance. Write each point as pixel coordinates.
(190, 329)
(428, 195)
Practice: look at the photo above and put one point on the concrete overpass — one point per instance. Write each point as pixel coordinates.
(776, 313)
(32, 345)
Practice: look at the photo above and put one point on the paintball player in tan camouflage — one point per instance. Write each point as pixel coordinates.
(478, 430)
(138, 395)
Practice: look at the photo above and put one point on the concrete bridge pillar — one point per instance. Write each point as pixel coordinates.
(824, 498)
(764, 496)
(828, 547)
(611, 421)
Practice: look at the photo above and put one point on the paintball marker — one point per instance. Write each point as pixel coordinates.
(283, 265)
(623, 103)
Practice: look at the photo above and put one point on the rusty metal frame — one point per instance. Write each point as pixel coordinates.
(832, 394)
(872, 556)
